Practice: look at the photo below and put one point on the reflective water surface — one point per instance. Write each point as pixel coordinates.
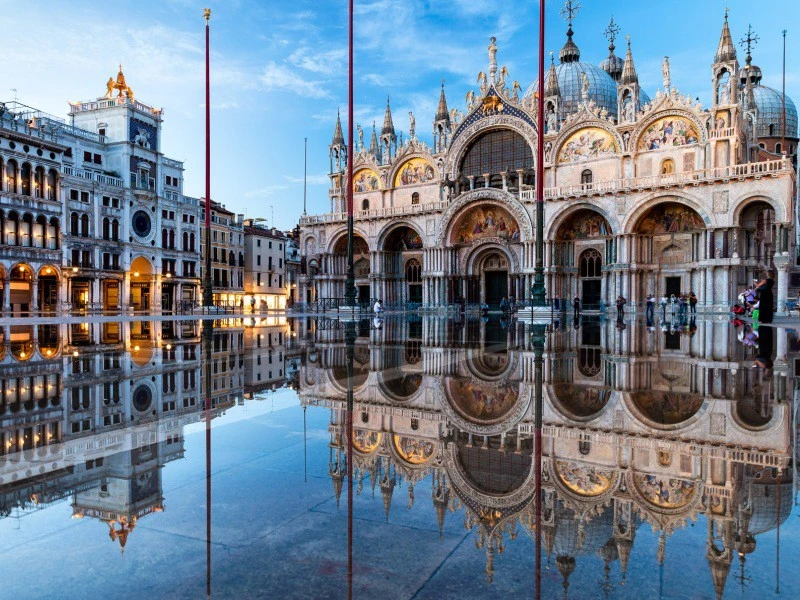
(398, 458)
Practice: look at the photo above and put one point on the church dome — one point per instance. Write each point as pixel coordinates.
(613, 65)
(770, 113)
(602, 88)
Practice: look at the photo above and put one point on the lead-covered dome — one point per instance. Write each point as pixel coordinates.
(602, 87)
(770, 105)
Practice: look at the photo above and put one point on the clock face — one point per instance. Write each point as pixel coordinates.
(141, 223)
(142, 398)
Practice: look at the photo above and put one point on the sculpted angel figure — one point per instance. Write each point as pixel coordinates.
(584, 87)
(360, 137)
(665, 72)
(516, 88)
(482, 79)
(470, 99)
(412, 127)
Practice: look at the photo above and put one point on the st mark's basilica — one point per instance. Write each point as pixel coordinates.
(643, 193)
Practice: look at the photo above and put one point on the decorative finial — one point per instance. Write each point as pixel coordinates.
(552, 58)
(727, 10)
(206, 14)
(628, 38)
(611, 32)
(749, 41)
(570, 10)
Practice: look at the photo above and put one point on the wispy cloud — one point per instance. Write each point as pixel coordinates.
(265, 192)
(283, 77)
(312, 179)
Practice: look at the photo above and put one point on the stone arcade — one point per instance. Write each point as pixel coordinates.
(642, 195)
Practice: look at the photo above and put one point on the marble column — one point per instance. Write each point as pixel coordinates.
(6, 296)
(783, 288)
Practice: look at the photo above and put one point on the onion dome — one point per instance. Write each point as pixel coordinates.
(613, 64)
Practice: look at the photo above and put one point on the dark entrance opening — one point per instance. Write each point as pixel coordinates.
(363, 293)
(673, 286)
(415, 293)
(496, 288)
(590, 298)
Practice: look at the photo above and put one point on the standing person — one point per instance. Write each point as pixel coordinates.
(504, 305)
(576, 307)
(253, 304)
(651, 306)
(621, 302)
(672, 304)
(766, 298)
(664, 302)
(682, 303)
(693, 303)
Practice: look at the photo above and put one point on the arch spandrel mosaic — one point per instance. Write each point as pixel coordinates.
(667, 408)
(485, 221)
(412, 450)
(670, 217)
(669, 132)
(581, 401)
(481, 402)
(402, 385)
(414, 171)
(366, 180)
(583, 225)
(366, 441)
(586, 144)
(665, 492)
(584, 480)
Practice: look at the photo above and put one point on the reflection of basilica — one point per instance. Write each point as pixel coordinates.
(642, 194)
(638, 427)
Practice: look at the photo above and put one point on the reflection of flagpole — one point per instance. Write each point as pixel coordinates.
(208, 339)
(305, 453)
(350, 340)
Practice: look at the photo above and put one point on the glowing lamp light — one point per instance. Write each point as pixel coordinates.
(74, 269)
(22, 355)
(75, 353)
(136, 348)
(48, 270)
(169, 346)
(49, 352)
(136, 273)
(169, 275)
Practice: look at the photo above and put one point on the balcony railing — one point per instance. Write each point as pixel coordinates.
(169, 162)
(390, 211)
(92, 176)
(759, 169)
(76, 107)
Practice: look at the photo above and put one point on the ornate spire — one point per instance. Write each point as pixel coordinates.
(388, 125)
(629, 70)
(570, 52)
(726, 51)
(565, 566)
(387, 490)
(611, 33)
(441, 113)
(624, 547)
(551, 82)
(338, 136)
(373, 142)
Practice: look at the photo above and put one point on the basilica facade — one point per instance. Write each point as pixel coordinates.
(642, 194)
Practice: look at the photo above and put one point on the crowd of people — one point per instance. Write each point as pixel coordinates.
(758, 300)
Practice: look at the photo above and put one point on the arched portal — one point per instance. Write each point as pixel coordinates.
(757, 238)
(48, 288)
(668, 242)
(583, 244)
(21, 288)
(401, 262)
(141, 277)
(361, 265)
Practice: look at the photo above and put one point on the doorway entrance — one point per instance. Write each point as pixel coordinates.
(363, 294)
(496, 288)
(591, 264)
(591, 294)
(673, 285)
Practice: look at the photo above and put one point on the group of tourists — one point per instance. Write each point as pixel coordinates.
(758, 300)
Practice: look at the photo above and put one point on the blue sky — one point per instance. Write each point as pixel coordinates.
(279, 68)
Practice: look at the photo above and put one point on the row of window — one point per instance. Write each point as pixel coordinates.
(28, 181)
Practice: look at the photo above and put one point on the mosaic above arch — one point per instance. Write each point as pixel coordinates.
(667, 408)
(669, 132)
(412, 450)
(366, 441)
(584, 480)
(583, 225)
(481, 402)
(414, 171)
(360, 246)
(485, 221)
(665, 492)
(581, 401)
(366, 180)
(670, 217)
(586, 144)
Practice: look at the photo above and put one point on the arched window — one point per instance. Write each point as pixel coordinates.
(73, 224)
(53, 234)
(591, 263)
(38, 182)
(668, 167)
(587, 178)
(413, 271)
(495, 152)
(415, 198)
(778, 148)
(11, 177)
(172, 239)
(191, 242)
(589, 361)
(26, 179)
(771, 133)
(106, 228)
(52, 184)
(115, 230)
(85, 225)
(365, 204)
(185, 240)
(164, 238)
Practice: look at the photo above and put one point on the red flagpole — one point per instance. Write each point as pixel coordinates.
(208, 298)
(350, 285)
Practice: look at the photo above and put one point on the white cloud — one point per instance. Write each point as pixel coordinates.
(265, 192)
(329, 62)
(282, 77)
(312, 179)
